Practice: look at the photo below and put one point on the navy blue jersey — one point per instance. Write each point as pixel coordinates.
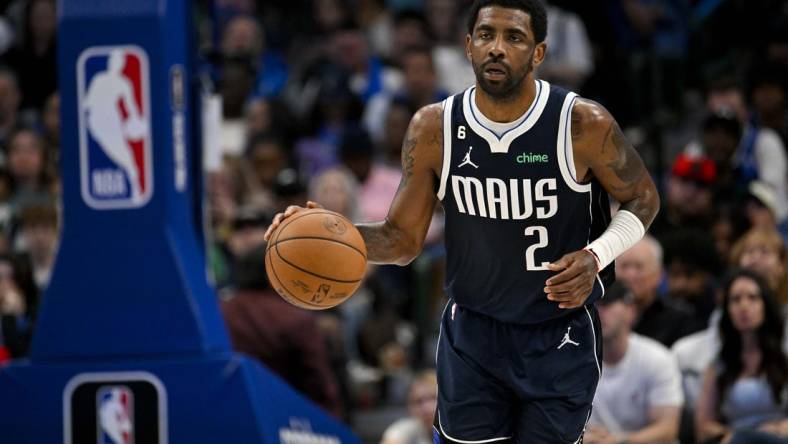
(513, 205)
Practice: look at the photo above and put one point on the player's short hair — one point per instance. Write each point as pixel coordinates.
(534, 8)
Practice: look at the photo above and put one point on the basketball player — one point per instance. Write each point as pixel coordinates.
(522, 169)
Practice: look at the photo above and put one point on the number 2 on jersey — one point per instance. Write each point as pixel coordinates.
(530, 261)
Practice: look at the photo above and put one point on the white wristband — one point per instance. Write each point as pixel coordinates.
(624, 231)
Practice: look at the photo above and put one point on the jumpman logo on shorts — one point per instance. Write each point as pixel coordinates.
(567, 339)
(467, 159)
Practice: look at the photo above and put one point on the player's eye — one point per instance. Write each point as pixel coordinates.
(515, 38)
(484, 35)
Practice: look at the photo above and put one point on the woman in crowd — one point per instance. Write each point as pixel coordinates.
(762, 250)
(745, 391)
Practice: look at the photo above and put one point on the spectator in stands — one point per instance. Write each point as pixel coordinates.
(377, 23)
(243, 37)
(762, 250)
(283, 337)
(335, 108)
(420, 89)
(50, 123)
(571, 61)
(337, 190)
(744, 393)
(378, 181)
(692, 264)
(760, 153)
(18, 305)
(258, 114)
(236, 86)
(689, 196)
(728, 226)
(410, 30)
(767, 92)
(452, 67)
(32, 179)
(422, 401)
(10, 99)
(38, 236)
(720, 137)
(658, 317)
(265, 159)
(367, 75)
(35, 58)
(395, 128)
(639, 395)
(760, 205)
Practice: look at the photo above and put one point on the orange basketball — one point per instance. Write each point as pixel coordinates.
(316, 259)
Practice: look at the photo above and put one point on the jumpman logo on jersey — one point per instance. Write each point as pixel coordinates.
(467, 159)
(567, 339)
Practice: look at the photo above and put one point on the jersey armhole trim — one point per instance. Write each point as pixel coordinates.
(564, 149)
(447, 135)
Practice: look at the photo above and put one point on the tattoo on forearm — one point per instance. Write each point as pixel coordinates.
(645, 206)
(382, 242)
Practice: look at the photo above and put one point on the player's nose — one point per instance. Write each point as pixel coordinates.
(497, 51)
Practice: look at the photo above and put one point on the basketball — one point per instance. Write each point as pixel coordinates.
(316, 259)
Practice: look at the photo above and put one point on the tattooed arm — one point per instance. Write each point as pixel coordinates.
(399, 238)
(602, 151)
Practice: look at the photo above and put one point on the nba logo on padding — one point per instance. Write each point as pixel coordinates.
(114, 127)
(115, 410)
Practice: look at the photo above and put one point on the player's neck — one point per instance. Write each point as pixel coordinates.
(508, 109)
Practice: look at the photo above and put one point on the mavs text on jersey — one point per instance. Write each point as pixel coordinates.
(513, 205)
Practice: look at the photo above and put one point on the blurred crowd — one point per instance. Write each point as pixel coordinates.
(316, 98)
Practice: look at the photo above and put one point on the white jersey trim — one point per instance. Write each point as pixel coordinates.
(564, 149)
(501, 145)
(593, 333)
(463, 441)
(447, 135)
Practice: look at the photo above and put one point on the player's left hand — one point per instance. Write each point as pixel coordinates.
(572, 286)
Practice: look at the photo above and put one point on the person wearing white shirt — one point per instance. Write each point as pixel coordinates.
(639, 396)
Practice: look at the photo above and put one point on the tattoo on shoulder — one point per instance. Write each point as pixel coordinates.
(627, 165)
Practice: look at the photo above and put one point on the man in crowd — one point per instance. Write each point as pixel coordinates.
(639, 396)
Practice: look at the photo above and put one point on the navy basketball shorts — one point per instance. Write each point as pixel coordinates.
(517, 383)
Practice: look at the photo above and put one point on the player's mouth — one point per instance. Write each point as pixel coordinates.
(495, 72)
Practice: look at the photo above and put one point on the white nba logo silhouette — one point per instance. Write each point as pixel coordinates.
(106, 123)
(104, 97)
(114, 415)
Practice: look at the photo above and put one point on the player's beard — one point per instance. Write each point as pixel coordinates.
(510, 87)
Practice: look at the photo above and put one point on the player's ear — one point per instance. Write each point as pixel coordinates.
(468, 47)
(539, 52)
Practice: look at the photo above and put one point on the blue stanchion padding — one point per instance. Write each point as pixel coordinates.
(130, 345)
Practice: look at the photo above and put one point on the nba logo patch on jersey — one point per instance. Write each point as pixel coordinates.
(114, 127)
(115, 410)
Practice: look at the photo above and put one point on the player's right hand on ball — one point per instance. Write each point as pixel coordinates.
(291, 210)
